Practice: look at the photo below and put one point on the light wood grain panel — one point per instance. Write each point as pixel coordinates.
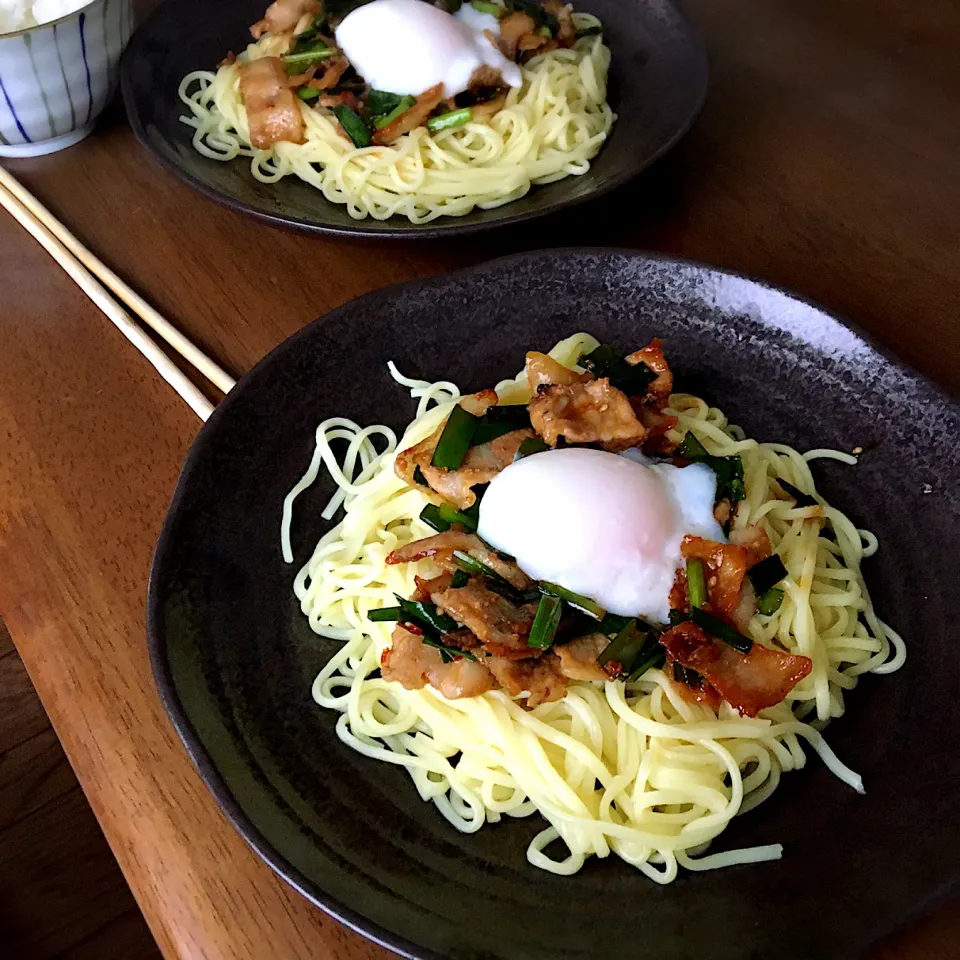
(78, 608)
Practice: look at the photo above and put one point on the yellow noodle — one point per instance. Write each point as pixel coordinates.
(630, 769)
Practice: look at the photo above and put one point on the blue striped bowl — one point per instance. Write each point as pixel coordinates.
(56, 79)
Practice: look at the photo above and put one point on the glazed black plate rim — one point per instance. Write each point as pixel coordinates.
(165, 683)
(397, 227)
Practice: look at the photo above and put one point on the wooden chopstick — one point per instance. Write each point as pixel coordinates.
(138, 306)
(88, 283)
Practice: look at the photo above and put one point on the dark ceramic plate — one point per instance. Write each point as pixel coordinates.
(234, 659)
(658, 83)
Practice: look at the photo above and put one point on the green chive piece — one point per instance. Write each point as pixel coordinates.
(380, 102)
(465, 562)
(729, 470)
(455, 440)
(450, 515)
(545, 623)
(687, 676)
(428, 614)
(500, 420)
(494, 581)
(450, 121)
(494, 9)
(386, 613)
(696, 583)
(691, 448)
(802, 499)
(720, 630)
(612, 624)
(304, 57)
(577, 600)
(517, 414)
(352, 125)
(544, 31)
(624, 647)
(419, 478)
(460, 579)
(654, 656)
(401, 108)
(308, 94)
(766, 574)
(531, 446)
(432, 517)
(535, 10)
(607, 362)
(487, 431)
(769, 603)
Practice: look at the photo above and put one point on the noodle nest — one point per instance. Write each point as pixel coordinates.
(631, 769)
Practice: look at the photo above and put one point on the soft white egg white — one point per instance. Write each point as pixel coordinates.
(606, 526)
(407, 46)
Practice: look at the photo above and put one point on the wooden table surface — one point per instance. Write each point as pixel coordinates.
(826, 161)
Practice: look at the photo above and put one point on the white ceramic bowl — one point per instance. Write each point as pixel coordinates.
(56, 79)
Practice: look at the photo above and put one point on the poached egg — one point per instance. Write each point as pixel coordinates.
(601, 524)
(407, 46)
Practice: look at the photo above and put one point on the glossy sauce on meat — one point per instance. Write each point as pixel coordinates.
(273, 110)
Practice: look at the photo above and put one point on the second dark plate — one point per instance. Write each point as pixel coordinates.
(235, 659)
(658, 81)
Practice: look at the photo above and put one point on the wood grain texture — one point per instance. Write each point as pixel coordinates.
(21, 715)
(32, 774)
(825, 161)
(56, 890)
(62, 896)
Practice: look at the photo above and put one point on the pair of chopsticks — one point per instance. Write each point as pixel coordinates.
(105, 289)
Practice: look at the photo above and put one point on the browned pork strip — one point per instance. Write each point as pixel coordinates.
(748, 681)
(426, 586)
(286, 16)
(481, 464)
(592, 412)
(462, 678)
(441, 548)
(300, 79)
(333, 70)
(657, 424)
(414, 117)
(652, 356)
(726, 564)
(512, 28)
(494, 620)
(413, 664)
(273, 111)
(566, 32)
(578, 659)
(483, 78)
(487, 109)
(408, 660)
(541, 678)
(532, 41)
(543, 371)
(755, 541)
